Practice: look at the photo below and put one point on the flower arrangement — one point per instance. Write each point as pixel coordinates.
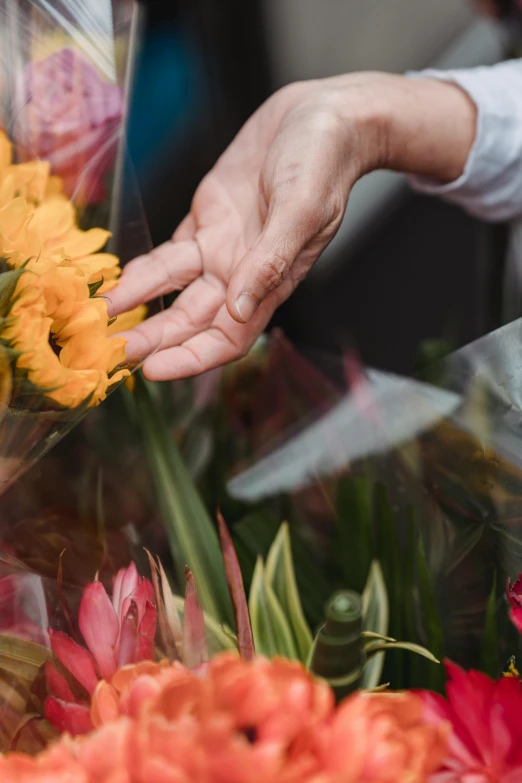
(123, 711)
(239, 721)
(55, 320)
(267, 669)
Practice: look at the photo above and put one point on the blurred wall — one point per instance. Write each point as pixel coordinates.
(317, 38)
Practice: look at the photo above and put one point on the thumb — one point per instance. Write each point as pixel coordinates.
(266, 266)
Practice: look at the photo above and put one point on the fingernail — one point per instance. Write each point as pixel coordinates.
(246, 306)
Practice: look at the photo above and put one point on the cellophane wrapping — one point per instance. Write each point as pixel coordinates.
(70, 215)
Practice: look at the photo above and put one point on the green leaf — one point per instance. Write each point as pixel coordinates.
(191, 532)
(272, 634)
(95, 287)
(375, 648)
(490, 643)
(280, 575)
(20, 666)
(377, 636)
(430, 617)
(355, 529)
(389, 554)
(22, 658)
(8, 282)
(253, 537)
(375, 620)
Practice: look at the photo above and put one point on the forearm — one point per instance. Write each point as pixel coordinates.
(432, 127)
(458, 133)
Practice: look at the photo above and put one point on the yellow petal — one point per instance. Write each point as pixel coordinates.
(119, 376)
(89, 316)
(98, 262)
(93, 350)
(128, 320)
(54, 186)
(6, 152)
(77, 243)
(29, 179)
(53, 220)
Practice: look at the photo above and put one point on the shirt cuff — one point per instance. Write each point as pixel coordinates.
(491, 183)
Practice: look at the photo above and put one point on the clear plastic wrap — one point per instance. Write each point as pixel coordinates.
(70, 214)
(433, 462)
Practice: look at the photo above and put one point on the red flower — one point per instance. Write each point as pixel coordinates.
(485, 745)
(70, 116)
(514, 593)
(117, 632)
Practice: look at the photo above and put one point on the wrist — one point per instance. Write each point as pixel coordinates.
(431, 126)
(419, 126)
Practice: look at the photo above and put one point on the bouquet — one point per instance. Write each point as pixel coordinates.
(229, 646)
(64, 93)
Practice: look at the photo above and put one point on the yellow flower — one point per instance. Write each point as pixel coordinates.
(38, 222)
(6, 152)
(62, 338)
(128, 320)
(66, 347)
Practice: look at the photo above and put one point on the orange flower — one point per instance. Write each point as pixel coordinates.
(239, 722)
(388, 740)
(58, 765)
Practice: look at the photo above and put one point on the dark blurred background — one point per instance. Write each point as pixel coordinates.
(404, 268)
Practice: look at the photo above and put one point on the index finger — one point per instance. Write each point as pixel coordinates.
(169, 267)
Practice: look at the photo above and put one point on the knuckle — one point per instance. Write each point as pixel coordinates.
(272, 271)
(179, 317)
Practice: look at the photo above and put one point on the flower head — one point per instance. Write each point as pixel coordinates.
(117, 630)
(71, 117)
(388, 739)
(61, 336)
(486, 740)
(239, 722)
(59, 329)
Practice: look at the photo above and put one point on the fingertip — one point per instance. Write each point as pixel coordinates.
(163, 367)
(150, 370)
(244, 308)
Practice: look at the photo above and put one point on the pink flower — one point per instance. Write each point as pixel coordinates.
(70, 116)
(117, 632)
(485, 745)
(514, 593)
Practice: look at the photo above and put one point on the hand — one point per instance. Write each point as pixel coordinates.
(262, 216)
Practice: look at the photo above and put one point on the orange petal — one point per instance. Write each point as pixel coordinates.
(105, 705)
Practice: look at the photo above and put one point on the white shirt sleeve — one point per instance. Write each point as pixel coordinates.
(491, 184)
